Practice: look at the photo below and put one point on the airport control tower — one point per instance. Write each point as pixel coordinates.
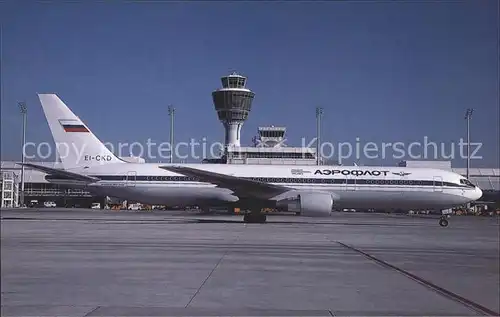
(233, 102)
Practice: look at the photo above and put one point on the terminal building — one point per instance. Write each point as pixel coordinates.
(37, 188)
(269, 148)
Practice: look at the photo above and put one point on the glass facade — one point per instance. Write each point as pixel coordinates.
(233, 82)
(49, 189)
(274, 155)
(232, 105)
(272, 134)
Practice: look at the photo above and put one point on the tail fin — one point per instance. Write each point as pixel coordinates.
(76, 145)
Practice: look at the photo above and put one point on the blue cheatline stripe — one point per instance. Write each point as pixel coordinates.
(286, 180)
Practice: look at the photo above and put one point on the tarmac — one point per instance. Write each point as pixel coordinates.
(69, 262)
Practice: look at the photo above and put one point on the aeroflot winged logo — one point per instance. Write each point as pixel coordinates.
(72, 125)
(401, 173)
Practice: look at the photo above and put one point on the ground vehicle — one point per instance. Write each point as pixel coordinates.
(49, 204)
(134, 207)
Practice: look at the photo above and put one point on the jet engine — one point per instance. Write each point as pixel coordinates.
(309, 204)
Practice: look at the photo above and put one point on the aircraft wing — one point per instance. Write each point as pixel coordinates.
(241, 187)
(62, 173)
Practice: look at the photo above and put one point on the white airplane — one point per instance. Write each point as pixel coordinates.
(313, 190)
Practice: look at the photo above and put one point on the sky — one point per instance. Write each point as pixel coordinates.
(383, 71)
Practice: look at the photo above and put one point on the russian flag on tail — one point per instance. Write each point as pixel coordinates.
(72, 125)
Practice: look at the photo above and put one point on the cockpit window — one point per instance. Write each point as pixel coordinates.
(465, 181)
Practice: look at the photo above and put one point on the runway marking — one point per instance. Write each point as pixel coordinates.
(444, 292)
(92, 311)
(211, 272)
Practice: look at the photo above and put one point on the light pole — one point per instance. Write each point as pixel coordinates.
(24, 112)
(171, 113)
(319, 113)
(468, 115)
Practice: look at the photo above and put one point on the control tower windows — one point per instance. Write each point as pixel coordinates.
(272, 134)
(232, 115)
(241, 82)
(233, 100)
(233, 82)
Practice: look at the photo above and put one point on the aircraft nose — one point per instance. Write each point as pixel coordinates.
(478, 193)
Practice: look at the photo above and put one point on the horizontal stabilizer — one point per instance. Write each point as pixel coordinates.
(62, 173)
(240, 186)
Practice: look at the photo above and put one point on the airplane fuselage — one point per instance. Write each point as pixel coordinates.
(352, 186)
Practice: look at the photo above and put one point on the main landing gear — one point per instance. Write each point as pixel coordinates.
(254, 217)
(443, 222)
